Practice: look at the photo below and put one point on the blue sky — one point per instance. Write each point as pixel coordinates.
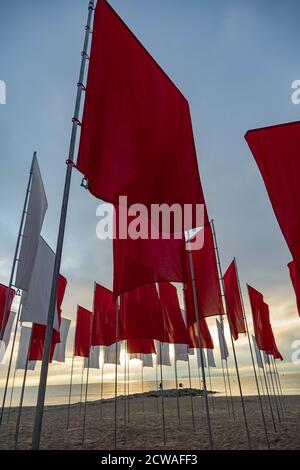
(234, 60)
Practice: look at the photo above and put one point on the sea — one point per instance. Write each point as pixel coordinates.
(59, 394)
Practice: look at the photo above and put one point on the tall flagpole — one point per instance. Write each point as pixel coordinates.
(177, 391)
(191, 392)
(279, 383)
(125, 382)
(37, 429)
(228, 379)
(210, 384)
(269, 397)
(70, 392)
(101, 391)
(10, 364)
(143, 398)
(162, 394)
(211, 443)
(116, 375)
(252, 358)
(11, 396)
(81, 387)
(128, 390)
(276, 385)
(274, 391)
(232, 342)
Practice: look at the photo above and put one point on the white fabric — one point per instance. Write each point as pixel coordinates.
(181, 352)
(210, 358)
(60, 348)
(7, 334)
(35, 302)
(147, 360)
(199, 358)
(257, 353)
(222, 341)
(93, 362)
(37, 207)
(110, 354)
(164, 359)
(23, 350)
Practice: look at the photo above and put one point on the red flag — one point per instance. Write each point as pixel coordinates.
(104, 317)
(206, 339)
(36, 350)
(136, 138)
(141, 315)
(208, 289)
(262, 326)
(3, 295)
(140, 346)
(276, 151)
(83, 332)
(233, 302)
(295, 278)
(174, 326)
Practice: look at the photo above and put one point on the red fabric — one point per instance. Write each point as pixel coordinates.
(38, 331)
(262, 326)
(136, 138)
(104, 317)
(140, 346)
(206, 339)
(233, 302)
(174, 326)
(141, 315)
(3, 294)
(208, 289)
(295, 278)
(276, 151)
(83, 332)
(146, 261)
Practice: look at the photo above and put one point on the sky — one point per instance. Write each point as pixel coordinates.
(234, 60)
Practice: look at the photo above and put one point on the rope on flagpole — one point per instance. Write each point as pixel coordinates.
(210, 436)
(38, 420)
(232, 342)
(252, 358)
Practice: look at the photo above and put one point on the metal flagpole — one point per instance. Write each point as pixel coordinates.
(232, 342)
(116, 374)
(229, 387)
(191, 393)
(210, 384)
(128, 385)
(36, 437)
(162, 394)
(101, 396)
(156, 378)
(85, 400)
(10, 364)
(225, 385)
(211, 444)
(177, 391)
(252, 358)
(143, 398)
(22, 396)
(70, 392)
(274, 391)
(81, 387)
(11, 396)
(125, 382)
(279, 383)
(276, 385)
(269, 397)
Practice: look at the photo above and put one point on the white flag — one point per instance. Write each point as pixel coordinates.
(110, 354)
(147, 360)
(60, 348)
(181, 352)
(257, 353)
(93, 361)
(222, 341)
(7, 334)
(23, 350)
(210, 358)
(199, 358)
(164, 360)
(37, 207)
(35, 302)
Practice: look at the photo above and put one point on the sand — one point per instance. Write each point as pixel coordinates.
(143, 429)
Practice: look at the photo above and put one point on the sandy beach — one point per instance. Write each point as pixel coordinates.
(143, 427)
